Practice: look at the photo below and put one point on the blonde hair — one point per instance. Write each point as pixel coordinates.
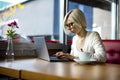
(77, 17)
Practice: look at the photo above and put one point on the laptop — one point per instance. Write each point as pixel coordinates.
(43, 53)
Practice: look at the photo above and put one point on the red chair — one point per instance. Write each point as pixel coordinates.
(112, 50)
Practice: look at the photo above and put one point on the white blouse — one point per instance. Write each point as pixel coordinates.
(93, 46)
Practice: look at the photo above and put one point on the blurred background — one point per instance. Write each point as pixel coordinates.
(45, 17)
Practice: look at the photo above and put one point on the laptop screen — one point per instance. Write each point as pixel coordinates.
(41, 48)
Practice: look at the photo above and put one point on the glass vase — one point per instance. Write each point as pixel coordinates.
(9, 51)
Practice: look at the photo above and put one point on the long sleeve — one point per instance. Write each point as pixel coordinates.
(99, 54)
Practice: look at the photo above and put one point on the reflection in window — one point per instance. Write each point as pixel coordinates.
(8, 3)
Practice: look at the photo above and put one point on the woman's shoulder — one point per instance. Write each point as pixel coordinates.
(92, 38)
(92, 33)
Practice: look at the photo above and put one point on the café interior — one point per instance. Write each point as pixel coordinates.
(44, 18)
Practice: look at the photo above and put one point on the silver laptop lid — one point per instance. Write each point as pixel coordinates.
(41, 48)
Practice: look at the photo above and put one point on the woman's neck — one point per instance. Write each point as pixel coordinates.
(82, 34)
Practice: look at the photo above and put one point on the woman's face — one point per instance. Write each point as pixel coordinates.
(73, 27)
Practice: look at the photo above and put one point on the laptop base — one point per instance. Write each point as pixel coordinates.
(56, 59)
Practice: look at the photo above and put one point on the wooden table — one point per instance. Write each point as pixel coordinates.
(9, 70)
(37, 69)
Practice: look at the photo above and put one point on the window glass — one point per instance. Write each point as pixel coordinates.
(42, 18)
(98, 19)
(8, 3)
(35, 19)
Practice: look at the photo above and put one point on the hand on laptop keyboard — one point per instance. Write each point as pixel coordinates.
(64, 55)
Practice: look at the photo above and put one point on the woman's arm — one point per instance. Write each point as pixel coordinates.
(100, 54)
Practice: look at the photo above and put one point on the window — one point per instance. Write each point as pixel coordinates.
(42, 17)
(101, 16)
(36, 18)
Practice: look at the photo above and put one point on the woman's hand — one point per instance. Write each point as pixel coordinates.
(64, 55)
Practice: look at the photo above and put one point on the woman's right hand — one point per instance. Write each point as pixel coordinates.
(64, 55)
(59, 54)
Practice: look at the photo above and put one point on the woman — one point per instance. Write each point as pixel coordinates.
(84, 42)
